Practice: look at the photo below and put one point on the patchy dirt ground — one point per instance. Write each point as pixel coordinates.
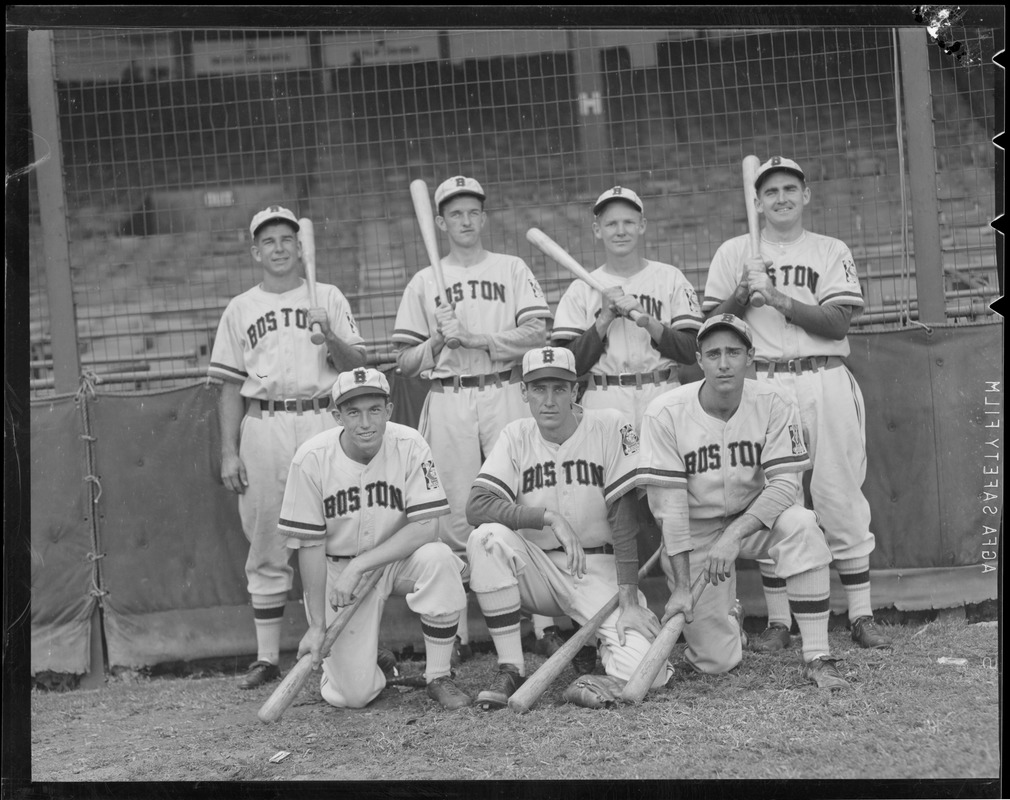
(909, 715)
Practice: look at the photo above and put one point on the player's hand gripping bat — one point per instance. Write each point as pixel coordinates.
(750, 167)
(296, 678)
(426, 222)
(307, 237)
(553, 250)
(523, 699)
(648, 668)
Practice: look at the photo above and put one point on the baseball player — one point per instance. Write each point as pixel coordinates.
(364, 496)
(721, 461)
(274, 395)
(624, 364)
(497, 310)
(811, 293)
(554, 530)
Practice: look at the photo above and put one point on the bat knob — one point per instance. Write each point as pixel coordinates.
(757, 300)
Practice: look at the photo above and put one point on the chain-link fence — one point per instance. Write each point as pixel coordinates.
(171, 140)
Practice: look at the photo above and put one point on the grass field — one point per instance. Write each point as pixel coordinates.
(906, 717)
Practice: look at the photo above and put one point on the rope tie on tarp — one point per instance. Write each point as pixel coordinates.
(95, 591)
(84, 397)
(88, 382)
(94, 479)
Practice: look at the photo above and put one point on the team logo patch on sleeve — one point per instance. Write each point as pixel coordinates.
(629, 440)
(535, 286)
(797, 440)
(430, 476)
(850, 270)
(692, 300)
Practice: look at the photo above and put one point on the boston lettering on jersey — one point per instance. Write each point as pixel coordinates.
(347, 501)
(797, 275)
(745, 454)
(473, 290)
(545, 475)
(299, 317)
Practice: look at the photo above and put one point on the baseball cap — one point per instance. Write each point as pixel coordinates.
(618, 193)
(778, 164)
(269, 215)
(730, 322)
(549, 362)
(363, 380)
(455, 186)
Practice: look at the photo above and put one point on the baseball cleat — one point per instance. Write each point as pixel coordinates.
(584, 661)
(260, 672)
(772, 639)
(386, 660)
(504, 683)
(866, 634)
(548, 644)
(447, 694)
(594, 691)
(824, 673)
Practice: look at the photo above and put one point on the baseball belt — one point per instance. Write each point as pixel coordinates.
(294, 405)
(602, 550)
(798, 366)
(638, 379)
(457, 382)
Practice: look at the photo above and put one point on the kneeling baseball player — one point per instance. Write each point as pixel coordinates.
(721, 461)
(555, 533)
(360, 497)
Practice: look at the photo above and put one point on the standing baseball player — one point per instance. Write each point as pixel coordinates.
(554, 531)
(360, 497)
(721, 461)
(624, 364)
(811, 293)
(497, 311)
(274, 395)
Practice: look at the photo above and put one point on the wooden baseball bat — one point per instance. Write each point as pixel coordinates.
(426, 222)
(750, 167)
(553, 250)
(296, 678)
(642, 678)
(523, 699)
(307, 236)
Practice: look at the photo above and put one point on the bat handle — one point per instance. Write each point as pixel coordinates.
(317, 333)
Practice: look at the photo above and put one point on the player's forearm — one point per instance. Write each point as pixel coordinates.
(731, 305)
(513, 344)
(780, 492)
(412, 361)
(623, 519)
(681, 346)
(830, 321)
(680, 569)
(345, 356)
(397, 547)
(485, 506)
(230, 410)
(312, 570)
(588, 349)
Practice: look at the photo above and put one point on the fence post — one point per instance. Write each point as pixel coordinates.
(590, 106)
(42, 102)
(919, 123)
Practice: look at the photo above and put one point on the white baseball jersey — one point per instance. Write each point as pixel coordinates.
(498, 294)
(264, 341)
(577, 478)
(817, 270)
(722, 464)
(664, 293)
(352, 506)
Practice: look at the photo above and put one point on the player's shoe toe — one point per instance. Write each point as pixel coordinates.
(866, 634)
(594, 691)
(584, 661)
(504, 683)
(772, 639)
(824, 673)
(259, 672)
(386, 660)
(548, 644)
(448, 694)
